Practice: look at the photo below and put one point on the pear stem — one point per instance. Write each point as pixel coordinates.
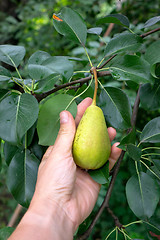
(94, 70)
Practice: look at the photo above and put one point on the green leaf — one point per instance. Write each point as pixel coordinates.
(28, 137)
(142, 196)
(96, 30)
(123, 42)
(153, 57)
(70, 24)
(100, 175)
(153, 225)
(54, 65)
(6, 232)
(22, 176)
(151, 132)
(11, 54)
(131, 68)
(149, 96)
(116, 107)
(9, 152)
(155, 170)
(130, 138)
(156, 163)
(115, 18)
(47, 83)
(4, 74)
(37, 149)
(88, 93)
(18, 114)
(38, 57)
(152, 21)
(3, 93)
(134, 152)
(61, 65)
(48, 120)
(0, 154)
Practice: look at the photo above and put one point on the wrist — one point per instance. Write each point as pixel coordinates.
(50, 218)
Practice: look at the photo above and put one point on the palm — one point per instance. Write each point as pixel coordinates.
(83, 197)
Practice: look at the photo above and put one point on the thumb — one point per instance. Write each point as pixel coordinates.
(65, 137)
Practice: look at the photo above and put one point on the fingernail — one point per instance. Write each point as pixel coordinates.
(63, 117)
(117, 143)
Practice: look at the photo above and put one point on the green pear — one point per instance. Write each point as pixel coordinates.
(91, 146)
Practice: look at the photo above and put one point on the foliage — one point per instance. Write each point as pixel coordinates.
(32, 97)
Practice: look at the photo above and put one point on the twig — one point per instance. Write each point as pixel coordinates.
(116, 220)
(107, 61)
(39, 97)
(15, 215)
(108, 31)
(135, 108)
(115, 172)
(149, 33)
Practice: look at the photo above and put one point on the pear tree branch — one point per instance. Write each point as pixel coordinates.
(39, 97)
(150, 32)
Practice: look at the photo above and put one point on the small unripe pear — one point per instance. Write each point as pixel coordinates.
(91, 147)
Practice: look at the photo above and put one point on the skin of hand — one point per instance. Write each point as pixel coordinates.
(62, 188)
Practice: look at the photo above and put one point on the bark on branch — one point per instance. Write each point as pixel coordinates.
(39, 97)
(65, 85)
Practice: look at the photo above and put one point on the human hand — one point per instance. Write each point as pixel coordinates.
(60, 182)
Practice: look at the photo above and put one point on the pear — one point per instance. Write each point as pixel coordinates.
(91, 146)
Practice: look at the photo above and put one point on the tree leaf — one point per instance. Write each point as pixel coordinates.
(100, 175)
(134, 152)
(70, 24)
(11, 54)
(61, 65)
(18, 114)
(151, 132)
(9, 152)
(130, 138)
(4, 74)
(116, 107)
(123, 42)
(153, 224)
(38, 57)
(115, 18)
(131, 68)
(149, 96)
(4, 93)
(22, 176)
(54, 65)
(0, 155)
(48, 120)
(152, 21)
(153, 57)
(155, 170)
(47, 83)
(5, 232)
(96, 30)
(142, 197)
(156, 163)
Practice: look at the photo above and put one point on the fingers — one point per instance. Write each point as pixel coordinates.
(82, 108)
(63, 143)
(112, 133)
(115, 153)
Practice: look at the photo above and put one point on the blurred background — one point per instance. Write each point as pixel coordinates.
(29, 23)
